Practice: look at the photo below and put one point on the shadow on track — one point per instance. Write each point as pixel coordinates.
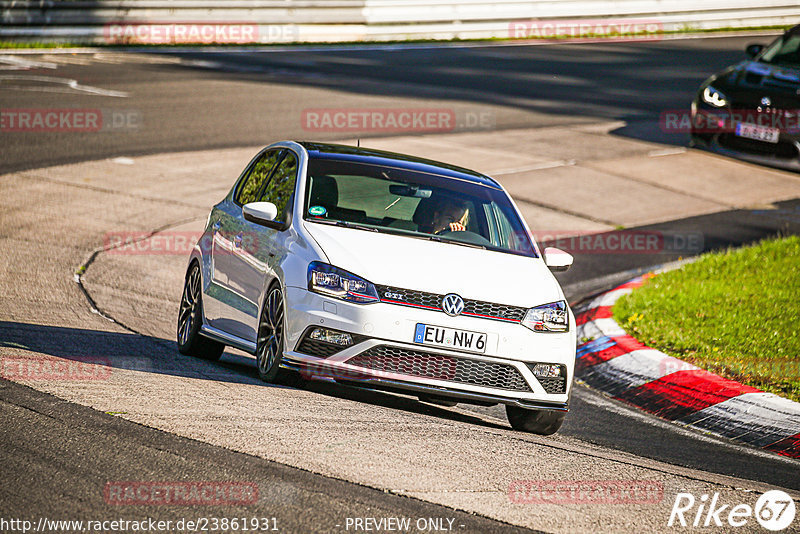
(632, 82)
(135, 352)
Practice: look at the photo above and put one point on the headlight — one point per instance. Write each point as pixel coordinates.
(334, 282)
(713, 97)
(552, 317)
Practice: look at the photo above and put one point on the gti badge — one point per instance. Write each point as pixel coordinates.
(452, 304)
(766, 101)
(393, 296)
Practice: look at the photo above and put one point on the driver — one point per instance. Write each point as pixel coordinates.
(449, 215)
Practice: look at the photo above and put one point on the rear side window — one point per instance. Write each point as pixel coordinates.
(253, 183)
(280, 190)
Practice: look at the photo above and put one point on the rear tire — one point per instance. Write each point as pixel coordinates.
(544, 422)
(190, 318)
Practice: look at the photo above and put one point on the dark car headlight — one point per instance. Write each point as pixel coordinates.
(713, 97)
(338, 283)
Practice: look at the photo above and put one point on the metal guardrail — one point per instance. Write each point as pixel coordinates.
(273, 21)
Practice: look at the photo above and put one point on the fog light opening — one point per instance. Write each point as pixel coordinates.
(546, 370)
(331, 336)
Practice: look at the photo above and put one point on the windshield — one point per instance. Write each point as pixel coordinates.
(784, 51)
(415, 204)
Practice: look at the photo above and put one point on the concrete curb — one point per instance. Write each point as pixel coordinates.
(617, 364)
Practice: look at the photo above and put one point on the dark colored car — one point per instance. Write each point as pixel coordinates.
(751, 110)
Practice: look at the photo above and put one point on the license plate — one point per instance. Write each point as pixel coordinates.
(450, 338)
(759, 133)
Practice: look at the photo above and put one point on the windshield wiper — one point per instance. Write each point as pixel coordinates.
(455, 242)
(346, 224)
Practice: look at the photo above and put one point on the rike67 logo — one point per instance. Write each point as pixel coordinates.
(774, 510)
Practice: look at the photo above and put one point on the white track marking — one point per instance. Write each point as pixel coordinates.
(536, 167)
(68, 59)
(58, 85)
(666, 152)
(18, 63)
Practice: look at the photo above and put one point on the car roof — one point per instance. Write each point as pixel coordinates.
(392, 159)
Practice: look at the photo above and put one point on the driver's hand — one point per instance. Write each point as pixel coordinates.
(457, 227)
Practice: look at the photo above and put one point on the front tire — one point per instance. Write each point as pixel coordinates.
(190, 318)
(270, 341)
(544, 422)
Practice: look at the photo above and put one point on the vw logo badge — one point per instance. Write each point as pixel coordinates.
(766, 101)
(452, 304)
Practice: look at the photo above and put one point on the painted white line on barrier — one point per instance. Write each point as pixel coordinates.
(596, 398)
(748, 413)
(608, 299)
(635, 368)
(609, 327)
(758, 419)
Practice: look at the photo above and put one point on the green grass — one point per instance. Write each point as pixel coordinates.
(734, 313)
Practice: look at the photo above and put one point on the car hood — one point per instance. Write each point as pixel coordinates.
(747, 82)
(436, 267)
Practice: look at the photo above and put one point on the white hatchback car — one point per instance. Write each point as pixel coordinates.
(387, 272)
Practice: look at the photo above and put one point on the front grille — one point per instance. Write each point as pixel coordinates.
(440, 367)
(489, 310)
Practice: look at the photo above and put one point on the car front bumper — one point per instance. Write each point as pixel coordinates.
(785, 154)
(384, 355)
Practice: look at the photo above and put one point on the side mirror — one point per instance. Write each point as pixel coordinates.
(262, 213)
(753, 50)
(557, 260)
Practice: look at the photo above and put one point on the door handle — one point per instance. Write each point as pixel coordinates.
(216, 226)
(237, 240)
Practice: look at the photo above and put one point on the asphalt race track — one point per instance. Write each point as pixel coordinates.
(177, 128)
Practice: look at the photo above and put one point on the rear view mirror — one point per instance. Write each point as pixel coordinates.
(410, 191)
(753, 50)
(556, 259)
(262, 213)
